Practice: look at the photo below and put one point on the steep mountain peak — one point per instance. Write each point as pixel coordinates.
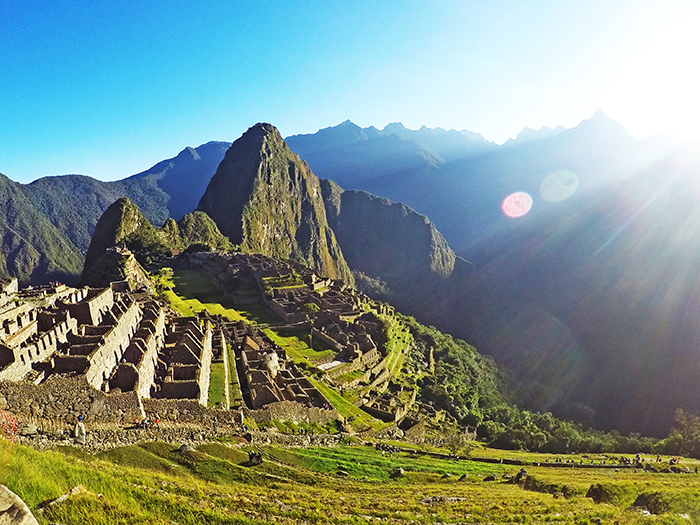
(192, 151)
(267, 200)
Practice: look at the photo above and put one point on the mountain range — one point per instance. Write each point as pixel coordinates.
(589, 298)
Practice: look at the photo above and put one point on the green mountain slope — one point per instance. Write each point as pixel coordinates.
(33, 249)
(122, 225)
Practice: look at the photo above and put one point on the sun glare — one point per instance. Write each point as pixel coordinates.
(516, 204)
(657, 85)
(559, 186)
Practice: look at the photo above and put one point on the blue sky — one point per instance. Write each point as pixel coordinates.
(108, 89)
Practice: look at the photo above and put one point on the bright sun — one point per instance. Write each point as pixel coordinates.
(657, 87)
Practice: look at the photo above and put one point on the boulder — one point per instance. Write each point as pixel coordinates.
(13, 510)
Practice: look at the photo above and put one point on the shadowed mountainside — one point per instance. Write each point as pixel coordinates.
(32, 248)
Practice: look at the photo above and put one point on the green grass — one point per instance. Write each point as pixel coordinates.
(296, 344)
(361, 420)
(154, 483)
(194, 292)
(234, 386)
(217, 385)
(350, 376)
(399, 341)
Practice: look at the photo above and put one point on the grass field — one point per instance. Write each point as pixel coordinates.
(351, 484)
(234, 386)
(297, 346)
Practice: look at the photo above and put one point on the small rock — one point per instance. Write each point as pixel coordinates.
(29, 430)
(398, 472)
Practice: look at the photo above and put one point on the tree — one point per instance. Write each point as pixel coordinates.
(689, 429)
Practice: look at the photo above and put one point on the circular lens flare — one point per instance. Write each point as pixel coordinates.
(559, 186)
(516, 204)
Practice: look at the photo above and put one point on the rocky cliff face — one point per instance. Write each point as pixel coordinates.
(385, 239)
(267, 200)
(120, 225)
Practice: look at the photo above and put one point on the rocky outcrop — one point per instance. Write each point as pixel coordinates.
(118, 224)
(124, 240)
(267, 200)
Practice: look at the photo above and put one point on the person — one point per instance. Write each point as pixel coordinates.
(79, 432)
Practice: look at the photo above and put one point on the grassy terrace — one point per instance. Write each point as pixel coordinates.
(361, 420)
(296, 345)
(217, 386)
(234, 386)
(194, 291)
(155, 484)
(400, 339)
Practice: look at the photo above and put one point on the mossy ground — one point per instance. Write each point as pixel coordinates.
(154, 483)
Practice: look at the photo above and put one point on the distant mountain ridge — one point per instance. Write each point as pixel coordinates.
(50, 230)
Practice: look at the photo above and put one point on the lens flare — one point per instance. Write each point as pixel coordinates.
(559, 186)
(516, 204)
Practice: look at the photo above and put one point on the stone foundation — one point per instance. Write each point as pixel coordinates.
(295, 412)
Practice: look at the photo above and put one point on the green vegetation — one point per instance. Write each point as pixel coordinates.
(361, 420)
(191, 291)
(234, 387)
(296, 344)
(248, 201)
(217, 385)
(286, 281)
(215, 484)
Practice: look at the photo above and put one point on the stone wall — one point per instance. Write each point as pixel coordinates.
(105, 357)
(328, 340)
(40, 349)
(291, 411)
(188, 412)
(204, 373)
(90, 310)
(60, 400)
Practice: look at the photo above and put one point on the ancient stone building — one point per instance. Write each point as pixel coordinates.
(187, 356)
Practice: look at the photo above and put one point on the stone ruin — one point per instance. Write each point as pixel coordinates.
(267, 376)
(342, 322)
(120, 349)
